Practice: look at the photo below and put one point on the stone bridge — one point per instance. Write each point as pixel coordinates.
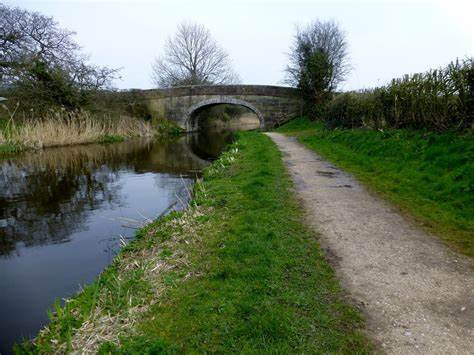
(273, 105)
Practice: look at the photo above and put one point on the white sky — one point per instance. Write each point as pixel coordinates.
(386, 38)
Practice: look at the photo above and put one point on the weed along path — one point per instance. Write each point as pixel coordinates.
(417, 295)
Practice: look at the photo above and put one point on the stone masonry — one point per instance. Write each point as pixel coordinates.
(273, 105)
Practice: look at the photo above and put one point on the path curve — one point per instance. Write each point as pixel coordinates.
(417, 296)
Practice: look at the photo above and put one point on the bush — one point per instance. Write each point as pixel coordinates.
(354, 109)
(441, 100)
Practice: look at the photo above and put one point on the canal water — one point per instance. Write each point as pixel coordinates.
(65, 213)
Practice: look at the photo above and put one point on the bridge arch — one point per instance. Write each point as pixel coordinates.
(193, 126)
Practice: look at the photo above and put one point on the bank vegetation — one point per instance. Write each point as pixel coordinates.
(58, 130)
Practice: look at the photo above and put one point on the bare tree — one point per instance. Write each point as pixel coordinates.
(28, 36)
(192, 57)
(318, 62)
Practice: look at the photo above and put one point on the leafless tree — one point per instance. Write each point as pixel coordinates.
(192, 57)
(28, 38)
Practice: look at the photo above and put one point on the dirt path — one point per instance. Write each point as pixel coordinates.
(418, 297)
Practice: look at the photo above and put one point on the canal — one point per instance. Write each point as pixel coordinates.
(66, 212)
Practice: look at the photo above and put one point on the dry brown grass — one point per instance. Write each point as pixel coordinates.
(61, 130)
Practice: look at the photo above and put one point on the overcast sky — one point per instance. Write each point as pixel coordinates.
(386, 38)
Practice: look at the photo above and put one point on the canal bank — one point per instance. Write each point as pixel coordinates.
(236, 272)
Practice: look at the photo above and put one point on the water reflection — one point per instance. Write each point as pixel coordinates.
(63, 210)
(209, 143)
(46, 196)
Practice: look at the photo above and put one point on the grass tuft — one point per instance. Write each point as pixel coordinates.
(111, 138)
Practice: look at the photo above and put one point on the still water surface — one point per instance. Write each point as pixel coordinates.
(64, 211)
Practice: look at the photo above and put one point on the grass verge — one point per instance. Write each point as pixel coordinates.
(429, 175)
(236, 272)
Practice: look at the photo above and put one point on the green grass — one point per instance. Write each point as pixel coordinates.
(429, 175)
(110, 138)
(252, 277)
(7, 149)
(167, 127)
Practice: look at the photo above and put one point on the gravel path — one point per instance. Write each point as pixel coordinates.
(417, 296)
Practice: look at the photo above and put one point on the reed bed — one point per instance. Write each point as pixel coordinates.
(69, 129)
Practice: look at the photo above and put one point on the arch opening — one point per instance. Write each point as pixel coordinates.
(224, 113)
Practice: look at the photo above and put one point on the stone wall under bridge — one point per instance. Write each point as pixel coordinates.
(273, 105)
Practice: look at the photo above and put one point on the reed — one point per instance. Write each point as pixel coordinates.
(61, 129)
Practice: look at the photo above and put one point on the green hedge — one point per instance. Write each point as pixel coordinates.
(441, 100)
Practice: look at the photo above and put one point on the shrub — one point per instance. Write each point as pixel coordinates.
(441, 100)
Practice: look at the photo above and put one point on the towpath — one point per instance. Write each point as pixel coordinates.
(417, 296)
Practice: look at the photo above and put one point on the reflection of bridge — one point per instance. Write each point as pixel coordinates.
(272, 104)
(177, 157)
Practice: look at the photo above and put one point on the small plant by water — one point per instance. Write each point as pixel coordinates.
(111, 138)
